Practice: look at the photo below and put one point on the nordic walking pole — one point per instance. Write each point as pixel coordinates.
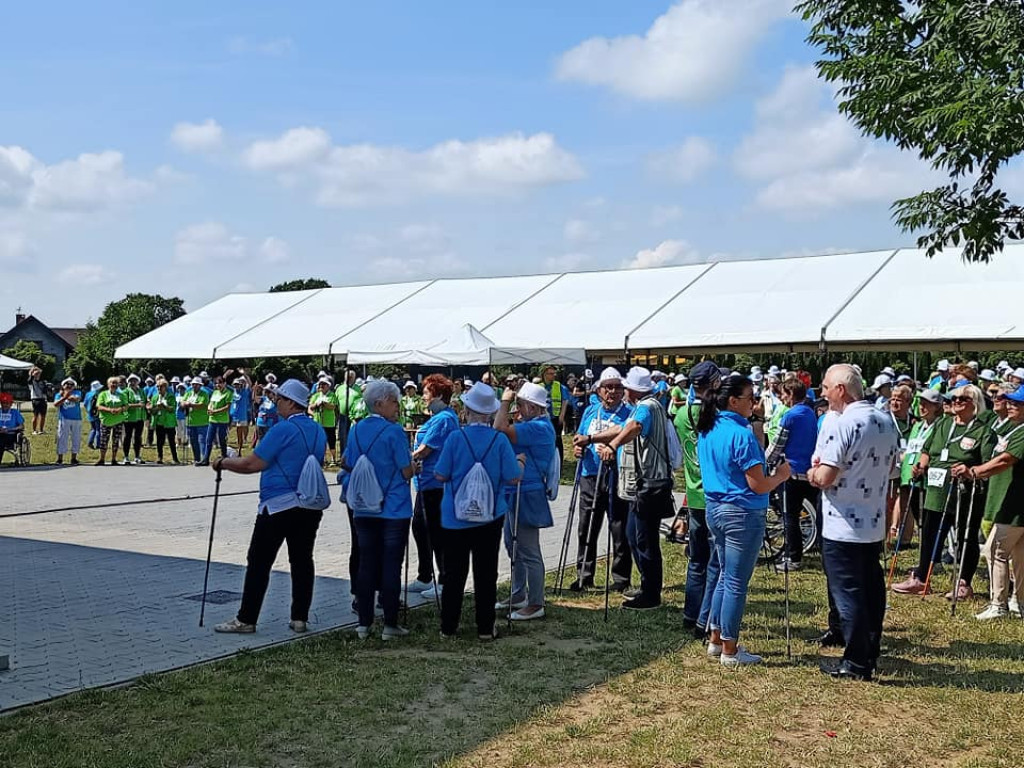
(962, 541)
(405, 610)
(430, 547)
(209, 549)
(512, 554)
(785, 571)
(590, 522)
(608, 550)
(938, 537)
(899, 536)
(567, 536)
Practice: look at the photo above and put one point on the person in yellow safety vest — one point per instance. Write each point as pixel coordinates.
(558, 401)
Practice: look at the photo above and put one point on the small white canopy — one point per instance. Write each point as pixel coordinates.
(10, 364)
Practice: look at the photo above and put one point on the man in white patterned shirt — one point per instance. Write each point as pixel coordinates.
(856, 449)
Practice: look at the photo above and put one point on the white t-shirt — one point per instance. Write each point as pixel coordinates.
(862, 442)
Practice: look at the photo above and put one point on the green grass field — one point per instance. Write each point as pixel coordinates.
(569, 690)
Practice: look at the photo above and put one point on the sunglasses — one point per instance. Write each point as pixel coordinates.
(960, 399)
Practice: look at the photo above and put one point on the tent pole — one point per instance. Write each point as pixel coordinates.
(915, 366)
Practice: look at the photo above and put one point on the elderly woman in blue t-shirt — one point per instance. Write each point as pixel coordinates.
(469, 529)
(534, 438)
(736, 488)
(380, 527)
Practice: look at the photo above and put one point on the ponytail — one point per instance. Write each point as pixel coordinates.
(717, 400)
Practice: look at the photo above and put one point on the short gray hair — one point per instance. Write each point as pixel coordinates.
(379, 390)
(849, 377)
(475, 417)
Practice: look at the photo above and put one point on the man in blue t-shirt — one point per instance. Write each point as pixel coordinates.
(280, 458)
(801, 426)
(69, 420)
(599, 500)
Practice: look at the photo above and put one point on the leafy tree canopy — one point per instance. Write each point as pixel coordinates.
(943, 78)
(300, 285)
(31, 352)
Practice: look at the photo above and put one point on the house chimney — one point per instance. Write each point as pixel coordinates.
(19, 316)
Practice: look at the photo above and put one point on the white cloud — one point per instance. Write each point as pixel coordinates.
(407, 268)
(197, 137)
(684, 163)
(241, 45)
(366, 174)
(666, 214)
(168, 174)
(693, 52)
(84, 274)
(578, 231)
(665, 253)
(424, 238)
(16, 168)
(274, 250)
(17, 253)
(567, 262)
(208, 242)
(807, 157)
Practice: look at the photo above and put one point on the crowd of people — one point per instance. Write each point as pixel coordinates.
(877, 461)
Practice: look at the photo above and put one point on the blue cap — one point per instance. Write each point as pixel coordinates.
(1017, 395)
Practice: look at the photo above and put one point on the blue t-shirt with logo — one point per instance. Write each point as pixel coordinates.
(434, 434)
(70, 411)
(594, 420)
(11, 419)
(266, 414)
(384, 443)
(241, 404)
(475, 442)
(536, 439)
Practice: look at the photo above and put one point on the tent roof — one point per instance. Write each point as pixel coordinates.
(10, 364)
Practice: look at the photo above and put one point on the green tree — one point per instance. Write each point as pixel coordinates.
(944, 78)
(300, 285)
(135, 315)
(30, 352)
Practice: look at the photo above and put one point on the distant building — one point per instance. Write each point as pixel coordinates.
(59, 342)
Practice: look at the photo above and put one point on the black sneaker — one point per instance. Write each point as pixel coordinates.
(60, 460)
(74, 462)
(641, 603)
(581, 586)
(631, 592)
(621, 586)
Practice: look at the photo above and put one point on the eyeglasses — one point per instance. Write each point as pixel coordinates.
(749, 397)
(960, 399)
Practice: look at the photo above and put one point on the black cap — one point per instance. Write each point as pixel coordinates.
(704, 374)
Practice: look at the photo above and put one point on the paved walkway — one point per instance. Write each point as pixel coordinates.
(100, 596)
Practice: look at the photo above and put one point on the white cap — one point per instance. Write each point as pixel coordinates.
(755, 369)
(680, 378)
(204, 375)
(296, 391)
(987, 374)
(532, 393)
(467, 382)
(409, 384)
(70, 381)
(1018, 373)
(270, 378)
(973, 364)
(132, 376)
(324, 380)
(322, 375)
(773, 370)
(943, 365)
(480, 398)
(1002, 364)
(889, 371)
(657, 375)
(588, 374)
(903, 377)
(756, 376)
(881, 380)
(609, 374)
(187, 379)
(95, 386)
(359, 382)
(638, 380)
(175, 380)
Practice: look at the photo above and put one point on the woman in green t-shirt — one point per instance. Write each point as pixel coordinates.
(111, 405)
(412, 405)
(323, 407)
(218, 410)
(1004, 506)
(195, 404)
(134, 417)
(162, 408)
(959, 438)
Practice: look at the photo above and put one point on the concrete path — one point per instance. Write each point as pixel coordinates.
(100, 596)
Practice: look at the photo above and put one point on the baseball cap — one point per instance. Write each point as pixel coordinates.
(704, 374)
(932, 396)
(881, 380)
(1016, 396)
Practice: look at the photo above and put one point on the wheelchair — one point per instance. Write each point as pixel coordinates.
(21, 450)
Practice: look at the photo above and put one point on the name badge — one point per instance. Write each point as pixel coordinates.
(936, 477)
(915, 445)
(944, 455)
(968, 443)
(1002, 444)
(903, 443)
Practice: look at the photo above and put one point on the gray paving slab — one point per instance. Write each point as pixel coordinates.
(99, 596)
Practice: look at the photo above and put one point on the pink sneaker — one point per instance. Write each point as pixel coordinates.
(912, 586)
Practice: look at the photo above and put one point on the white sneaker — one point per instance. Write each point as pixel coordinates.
(714, 650)
(992, 612)
(297, 626)
(503, 605)
(362, 632)
(1014, 605)
(235, 627)
(391, 633)
(520, 616)
(433, 592)
(420, 586)
(742, 658)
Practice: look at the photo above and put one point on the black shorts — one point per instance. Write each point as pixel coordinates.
(39, 407)
(332, 436)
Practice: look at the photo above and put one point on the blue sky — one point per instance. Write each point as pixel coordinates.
(193, 149)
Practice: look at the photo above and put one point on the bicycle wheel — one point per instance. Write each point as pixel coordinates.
(25, 453)
(809, 526)
(774, 535)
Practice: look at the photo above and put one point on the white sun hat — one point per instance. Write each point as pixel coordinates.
(533, 393)
(480, 398)
(638, 380)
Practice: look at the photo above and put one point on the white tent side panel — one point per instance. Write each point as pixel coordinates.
(593, 310)
(917, 301)
(197, 334)
(773, 303)
(434, 317)
(310, 327)
(10, 364)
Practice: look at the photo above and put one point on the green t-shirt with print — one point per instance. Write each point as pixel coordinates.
(775, 422)
(162, 408)
(325, 409)
(136, 409)
(197, 416)
(964, 444)
(220, 398)
(347, 398)
(108, 399)
(411, 406)
(686, 427)
(1005, 501)
(916, 438)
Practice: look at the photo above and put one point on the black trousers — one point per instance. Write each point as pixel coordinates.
(165, 434)
(966, 534)
(298, 527)
(429, 535)
(593, 507)
(482, 543)
(557, 424)
(643, 531)
(796, 492)
(132, 437)
(857, 584)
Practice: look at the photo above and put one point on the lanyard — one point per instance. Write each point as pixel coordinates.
(952, 429)
(1007, 436)
(999, 423)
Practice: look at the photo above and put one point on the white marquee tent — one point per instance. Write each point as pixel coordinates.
(881, 299)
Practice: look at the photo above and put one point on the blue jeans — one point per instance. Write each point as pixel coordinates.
(216, 433)
(197, 439)
(94, 434)
(382, 544)
(702, 570)
(738, 534)
(857, 584)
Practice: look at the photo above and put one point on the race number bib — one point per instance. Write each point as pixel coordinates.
(915, 445)
(1001, 445)
(936, 477)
